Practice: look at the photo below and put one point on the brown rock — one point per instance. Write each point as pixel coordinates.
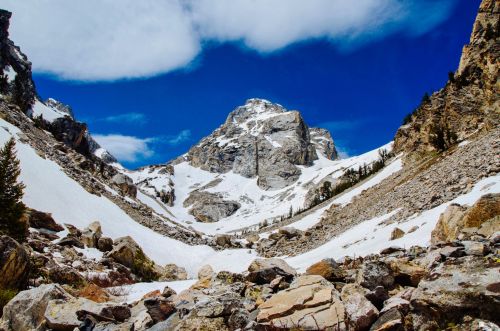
(38, 220)
(328, 269)
(94, 293)
(397, 233)
(14, 264)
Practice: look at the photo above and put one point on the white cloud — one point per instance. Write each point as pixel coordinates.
(107, 40)
(103, 39)
(134, 149)
(126, 148)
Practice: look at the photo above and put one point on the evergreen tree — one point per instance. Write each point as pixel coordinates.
(11, 193)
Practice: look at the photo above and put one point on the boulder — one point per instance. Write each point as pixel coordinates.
(375, 273)
(263, 271)
(105, 244)
(459, 287)
(475, 248)
(407, 273)
(61, 314)
(63, 274)
(391, 320)
(205, 273)
(159, 308)
(486, 208)
(310, 303)
(41, 220)
(71, 240)
(209, 207)
(127, 252)
(328, 269)
(456, 218)
(14, 264)
(32, 303)
(223, 240)
(173, 272)
(360, 311)
(91, 234)
(94, 293)
(397, 233)
(125, 185)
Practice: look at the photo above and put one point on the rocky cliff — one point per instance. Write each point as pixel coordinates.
(17, 88)
(264, 140)
(16, 83)
(469, 102)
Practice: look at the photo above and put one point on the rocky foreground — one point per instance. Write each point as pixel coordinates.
(452, 284)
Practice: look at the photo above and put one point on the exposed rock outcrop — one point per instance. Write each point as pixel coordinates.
(468, 102)
(459, 221)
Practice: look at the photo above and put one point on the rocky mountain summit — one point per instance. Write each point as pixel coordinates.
(264, 140)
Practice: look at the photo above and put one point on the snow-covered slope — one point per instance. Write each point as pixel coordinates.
(371, 236)
(49, 189)
(257, 204)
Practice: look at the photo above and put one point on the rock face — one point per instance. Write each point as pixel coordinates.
(323, 142)
(468, 102)
(209, 207)
(14, 264)
(460, 287)
(263, 140)
(311, 303)
(457, 219)
(32, 303)
(21, 88)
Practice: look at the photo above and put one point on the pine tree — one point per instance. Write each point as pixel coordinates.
(11, 193)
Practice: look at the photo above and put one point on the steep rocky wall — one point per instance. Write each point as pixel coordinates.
(469, 101)
(21, 90)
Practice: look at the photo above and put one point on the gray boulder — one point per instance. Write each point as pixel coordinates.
(209, 207)
(32, 303)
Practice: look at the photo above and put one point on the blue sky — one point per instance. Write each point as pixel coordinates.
(358, 81)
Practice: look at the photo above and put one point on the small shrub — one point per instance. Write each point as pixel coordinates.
(144, 268)
(5, 296)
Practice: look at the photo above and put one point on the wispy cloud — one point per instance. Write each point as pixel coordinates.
(126, 148)
(136, 118)
(134, 149)
(169, 34)
(343, 149)
(181, 137)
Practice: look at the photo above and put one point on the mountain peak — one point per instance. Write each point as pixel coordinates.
(264, 140)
